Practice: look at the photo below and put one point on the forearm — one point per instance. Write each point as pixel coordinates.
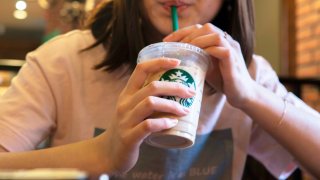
(298, 131)
(87, 155)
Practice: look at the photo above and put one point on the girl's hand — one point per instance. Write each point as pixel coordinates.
(228, 72)
(135, 105)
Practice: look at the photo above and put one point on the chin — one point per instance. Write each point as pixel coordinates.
(165, 30)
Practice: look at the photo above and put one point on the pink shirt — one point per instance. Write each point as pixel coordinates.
(58, 94)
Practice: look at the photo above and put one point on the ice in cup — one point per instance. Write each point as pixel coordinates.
(191, 72)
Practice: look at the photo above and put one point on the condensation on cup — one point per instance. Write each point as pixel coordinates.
(191, 72)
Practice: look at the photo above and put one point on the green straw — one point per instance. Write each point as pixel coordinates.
(174, 17)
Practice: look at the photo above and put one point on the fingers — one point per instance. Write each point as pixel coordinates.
(141, 124)
(143, 69)
(161, 88)
(182, 33)
(219, 52)
(149, 126)
(225, 52)
(209, 40)
(155, 105)
(190, 32)
(216, 42)
(207, 29)
(203, 36)
(137, 103)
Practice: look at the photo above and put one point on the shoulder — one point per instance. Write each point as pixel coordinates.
(259, 64)
(81, 36)
(67, 51)
(262, 72)
(73, 40)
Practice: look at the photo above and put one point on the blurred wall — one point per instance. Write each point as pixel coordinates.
(307, 38)
(307, 49)
(268, 31)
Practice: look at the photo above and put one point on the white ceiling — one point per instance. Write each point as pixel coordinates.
(34, 20)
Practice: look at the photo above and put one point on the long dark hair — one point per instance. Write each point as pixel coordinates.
(116, 24)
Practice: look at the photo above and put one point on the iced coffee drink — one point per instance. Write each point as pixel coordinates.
(191, 73)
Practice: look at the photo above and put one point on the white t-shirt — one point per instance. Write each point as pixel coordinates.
(57, 93)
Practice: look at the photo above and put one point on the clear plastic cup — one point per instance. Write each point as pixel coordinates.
(191, 72)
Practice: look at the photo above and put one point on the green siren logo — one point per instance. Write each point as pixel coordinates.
(183, 77)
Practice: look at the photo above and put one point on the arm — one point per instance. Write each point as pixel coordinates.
(115, 151)
(299, 131)
(86, 155)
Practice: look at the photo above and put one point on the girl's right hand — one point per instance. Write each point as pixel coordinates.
(135, 105)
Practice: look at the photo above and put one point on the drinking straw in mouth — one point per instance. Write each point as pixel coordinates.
(174, 17)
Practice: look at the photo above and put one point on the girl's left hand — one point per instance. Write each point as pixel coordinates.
(228, 72)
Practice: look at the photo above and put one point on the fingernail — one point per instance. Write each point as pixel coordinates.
(186, 110)
(167, 38)
(191, 91)
(176, 61)
(172, 122)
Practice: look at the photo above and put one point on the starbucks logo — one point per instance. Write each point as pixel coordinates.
(183, 77)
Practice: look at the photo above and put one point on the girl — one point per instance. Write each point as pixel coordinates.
(84, 82)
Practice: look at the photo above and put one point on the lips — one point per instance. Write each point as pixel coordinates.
(180, 4)
(174, 3)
